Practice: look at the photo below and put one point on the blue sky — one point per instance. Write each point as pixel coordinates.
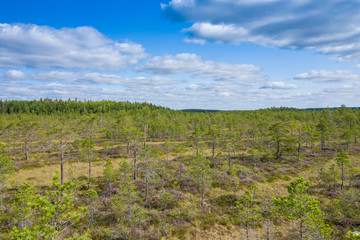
(211, 54)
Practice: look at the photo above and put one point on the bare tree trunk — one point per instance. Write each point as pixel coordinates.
(247, 231)
(146, 189)
(62, 165)
(213, 149)
(89, 174)
(202, 198)
(109, 188)
(267, 230)
(342, 175)
(26, 148)
(145, 135)
(135, 164)
(128, 149)
(312, 147)
(355, 139)
(322, 144)
(180, 170)
(0, 195)
(167, 153)
(278, 152)
(91, 133)
(229, 163)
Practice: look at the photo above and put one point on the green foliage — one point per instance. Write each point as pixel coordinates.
(300, 206)
(354, 235)
(109, 174)
(283, 142)
(247, 213)
(347, 206)
(7, 165)
(109, 171)
(45, 217)
(342, 160)
(201, 173)
(227, 200)
(91, 194)
(7, 168)
(48, 106)
(126, 195)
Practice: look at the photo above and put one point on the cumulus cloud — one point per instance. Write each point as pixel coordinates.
(169, 64)
(323, 76)
(13, 75)
(192, 63)
(280, 85)
(329, 97)
(330, 28)
(28, 45)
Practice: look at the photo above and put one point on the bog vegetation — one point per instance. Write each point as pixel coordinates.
(120, 170)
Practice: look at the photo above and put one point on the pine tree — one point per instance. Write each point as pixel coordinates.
(304, 209)
(247, 213)
(201, 174)
(342, 159)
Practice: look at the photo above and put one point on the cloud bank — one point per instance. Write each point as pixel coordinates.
(330, 27)
(28, 45)
(324, 76)
(192, 63)
(280, 85)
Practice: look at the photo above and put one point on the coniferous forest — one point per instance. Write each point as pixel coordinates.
(121, 170)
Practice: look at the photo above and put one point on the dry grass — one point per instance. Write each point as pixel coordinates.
(42, 176)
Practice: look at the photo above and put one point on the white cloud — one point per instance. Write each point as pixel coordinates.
(182, 3)
(280, 85)
(228, 33)
(330, 28)
(328, 97)
(169, 64)
(136, 82)
(54, 76)
(324, 76)
(28, 45)
(13, 75)
(97, 78)
(231, 33)
(245, 2)
(195, 40)
(192, 63)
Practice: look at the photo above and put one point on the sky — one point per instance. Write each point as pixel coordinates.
(181, 54)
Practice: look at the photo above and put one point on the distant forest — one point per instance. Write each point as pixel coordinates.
(49, 106)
